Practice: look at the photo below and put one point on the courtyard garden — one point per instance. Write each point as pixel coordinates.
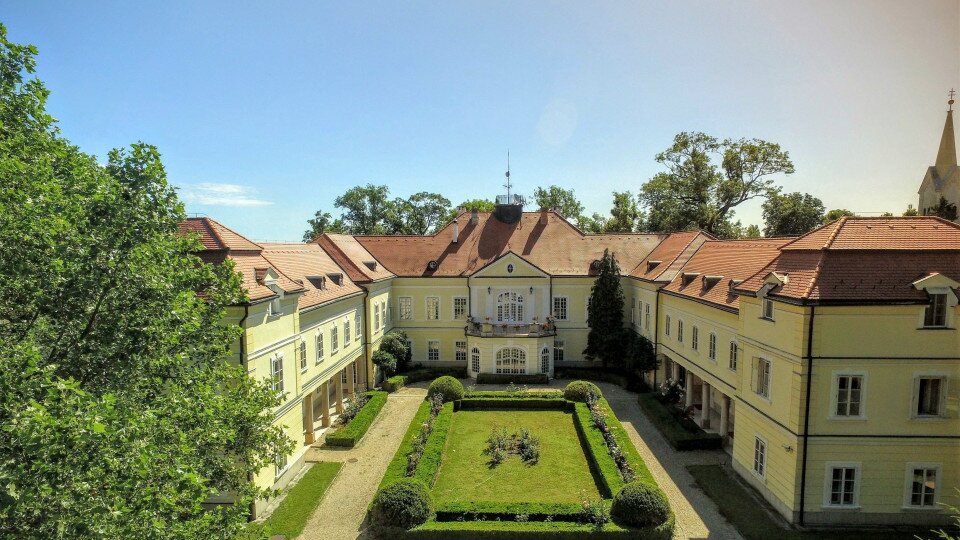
(545, 464)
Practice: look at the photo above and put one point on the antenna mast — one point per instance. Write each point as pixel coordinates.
(507, 185)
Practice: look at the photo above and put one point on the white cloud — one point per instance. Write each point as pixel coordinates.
(213, 194)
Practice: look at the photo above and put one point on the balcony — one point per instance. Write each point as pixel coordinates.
(503, 329)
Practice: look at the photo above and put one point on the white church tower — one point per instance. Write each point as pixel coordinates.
(943, 178)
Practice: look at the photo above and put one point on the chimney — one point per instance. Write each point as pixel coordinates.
(473, 216)
(456, 231)
(544, 215)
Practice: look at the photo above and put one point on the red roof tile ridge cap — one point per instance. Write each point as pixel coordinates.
(816, 275)
(836, 232)
(680, 251)
(333, 245)
(213, 232)
(236, 233)
(808, 233)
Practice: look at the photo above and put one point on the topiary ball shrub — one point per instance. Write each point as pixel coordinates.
(450, 388)
(404, 504)
(640, 505)
(578, 390)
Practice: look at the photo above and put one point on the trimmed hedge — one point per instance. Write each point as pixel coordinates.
(447, 387)
(403, 504)
(506, 378)
(349, 435)
(511, 403)
(429, 463)
(492, 511)
(672, 430)
(400, 380)
(553, 530)
(529, 394)
(578, 390)
(640, 505)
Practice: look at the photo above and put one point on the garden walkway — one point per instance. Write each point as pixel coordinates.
(343, 509)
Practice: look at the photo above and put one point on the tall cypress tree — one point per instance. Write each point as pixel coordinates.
(605, 314)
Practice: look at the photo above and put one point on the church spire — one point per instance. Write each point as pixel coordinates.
(947, 154)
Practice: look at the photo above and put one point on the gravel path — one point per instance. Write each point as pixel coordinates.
(342, 511)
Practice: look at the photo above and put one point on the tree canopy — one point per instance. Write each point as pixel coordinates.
(706, 179)
(791, 214)
(625, 215)
(943, 209)
(561, 200)
(122, 407)
(836, 214)
(369, 210)
(421, 213)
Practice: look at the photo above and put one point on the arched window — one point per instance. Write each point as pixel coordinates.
(475, 360)
(509, 307)
(545, 361)
(511, 360)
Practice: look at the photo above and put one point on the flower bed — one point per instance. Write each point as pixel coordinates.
(358, 417)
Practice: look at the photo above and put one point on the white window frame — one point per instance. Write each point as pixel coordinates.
(646, 320)
(766, 305)
(558, 351)
(514, 364)
(334, 340)
(346, 331)
(545, 360)
(459, 311)
(835, 395)
(376, 317)
(944, 304)
(318, 341)
(942, 402)
(666, 326)
(760, 447)
(712, 347)
(733, 360)
(405, 307)
(432, 314)
(281, 468)
(561, 313)
(828, 484)
(460, 350)
(762, 385)
(679, 330)
(475, 359)
(431, 350)
(633, 312)
(302, 353)
(276, 383)
(358, 322)
(908, 485)
(695, 338)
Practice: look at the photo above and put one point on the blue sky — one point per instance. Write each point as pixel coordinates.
(265, 111)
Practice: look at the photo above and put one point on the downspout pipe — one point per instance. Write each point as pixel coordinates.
(656, 331)
(806, 416)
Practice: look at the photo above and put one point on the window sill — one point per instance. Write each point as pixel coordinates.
(842, 507)
(930, 418)
(935, 328)
(768, 319)
(934, 508)
(848, 418)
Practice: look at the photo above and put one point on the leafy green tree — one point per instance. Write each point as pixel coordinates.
(944, 210)
(481, 205)
(605, 314)
(697, 192)
(639, 353)
(421, 213)
(122, 408)
(625, 214)
(395, 343)
(561, 200)
(593, 224)
(911, 211)
(836, 214)
(366, 209)
(321, 223)
(791, 214)
(752, 232)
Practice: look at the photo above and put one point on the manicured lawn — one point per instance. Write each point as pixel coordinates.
(290, 517)
(562, 474)
(741, 509)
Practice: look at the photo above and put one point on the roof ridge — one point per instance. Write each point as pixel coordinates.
(279, 271)
(816, 273)
(213, 232)
(836, 232)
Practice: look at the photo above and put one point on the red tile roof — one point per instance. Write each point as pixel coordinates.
(670, 255)
(216, 236)
(556, 247)
(359, 264)
(864, 260)
(310, 266)
(728, 260)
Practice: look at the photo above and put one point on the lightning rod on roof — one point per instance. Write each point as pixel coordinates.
(507, 185)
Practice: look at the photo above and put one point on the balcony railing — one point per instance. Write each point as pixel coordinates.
(502, 329)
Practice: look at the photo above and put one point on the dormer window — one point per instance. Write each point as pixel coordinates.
(273, 308)
(935, 315)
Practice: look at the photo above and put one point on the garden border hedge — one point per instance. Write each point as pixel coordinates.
(668, 426)
(506, 378)
(398, 381)
(429, 463)
(350, 435)
(592, 374)
(551, 530)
